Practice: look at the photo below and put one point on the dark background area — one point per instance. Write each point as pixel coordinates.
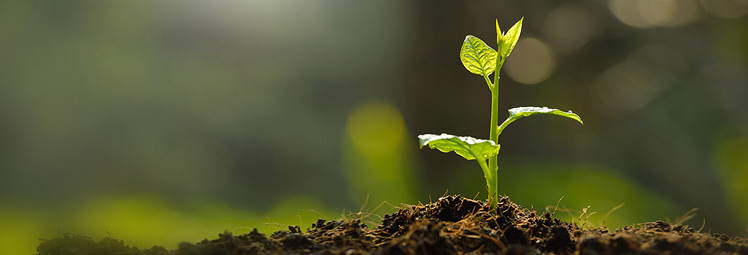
(203, 116)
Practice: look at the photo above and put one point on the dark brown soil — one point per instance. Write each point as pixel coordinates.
(452, 225)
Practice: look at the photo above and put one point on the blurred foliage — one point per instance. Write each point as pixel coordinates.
(146, 220)
(730, 156)
(377, 156)
(222, 113)
(21, 230)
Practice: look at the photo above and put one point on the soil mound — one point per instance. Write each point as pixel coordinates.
(451, 225)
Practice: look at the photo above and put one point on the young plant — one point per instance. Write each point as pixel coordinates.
(481, 59)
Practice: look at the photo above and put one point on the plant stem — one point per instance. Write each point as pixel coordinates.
(492, 161)
(493, 188)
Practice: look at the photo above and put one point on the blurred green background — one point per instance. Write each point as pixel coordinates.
(165, 121)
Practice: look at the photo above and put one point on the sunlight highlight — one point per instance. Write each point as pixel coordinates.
(654, 13)
(534, 62)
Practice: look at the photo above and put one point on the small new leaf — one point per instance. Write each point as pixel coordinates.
(468, 147)
(499, 34)
(477, 56)
(521, 112)
(510, 38)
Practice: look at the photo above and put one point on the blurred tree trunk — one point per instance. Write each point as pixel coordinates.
(434, 77)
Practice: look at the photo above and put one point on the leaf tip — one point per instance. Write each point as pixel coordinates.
(499, 35)
(422, 140)
(576, 117)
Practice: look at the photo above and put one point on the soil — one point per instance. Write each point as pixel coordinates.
(451, 225)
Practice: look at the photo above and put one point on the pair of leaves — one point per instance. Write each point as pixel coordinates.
(508, 40)
(471, 148)
(480, 59)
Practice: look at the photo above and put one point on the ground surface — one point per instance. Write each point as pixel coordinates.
(452, 225)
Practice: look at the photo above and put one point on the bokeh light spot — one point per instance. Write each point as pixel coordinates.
(627, 12)
(375, 159)
(376, 128)
(729, 9)
(654, 13)
(657, 12)
(533, 62)
(569, 27)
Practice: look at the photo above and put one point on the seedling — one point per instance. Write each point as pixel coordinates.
(481, 59)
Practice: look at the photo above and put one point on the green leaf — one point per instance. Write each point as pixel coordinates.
(498, 34)
(521, 112)
(510, 38)
(465, 146)
(477, 56)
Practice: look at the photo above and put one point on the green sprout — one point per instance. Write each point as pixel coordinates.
(481, 59)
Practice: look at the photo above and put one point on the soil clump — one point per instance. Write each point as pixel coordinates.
(451, 225)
